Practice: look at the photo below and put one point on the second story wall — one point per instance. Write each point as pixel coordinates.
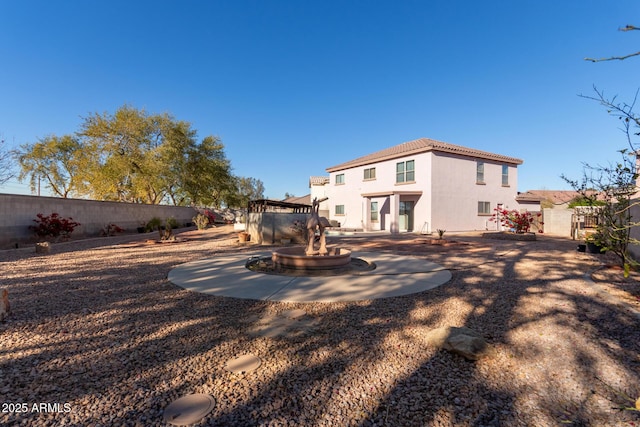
(460, 184)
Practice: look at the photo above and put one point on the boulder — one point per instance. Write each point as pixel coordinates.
(460, 340)
(42, 248)
(5, 308)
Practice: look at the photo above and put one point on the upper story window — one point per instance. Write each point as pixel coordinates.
(505, 175)
(480, 173)
(340, 178)
(370, 173)
(405, 171)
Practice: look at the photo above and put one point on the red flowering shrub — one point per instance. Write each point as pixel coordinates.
(111, 230)
(53, 226)
(518, 222)
(211, 216)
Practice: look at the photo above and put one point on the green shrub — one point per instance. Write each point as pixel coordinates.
(201, 221)
(172, 223)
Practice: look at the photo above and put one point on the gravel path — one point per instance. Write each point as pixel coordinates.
(101, 338)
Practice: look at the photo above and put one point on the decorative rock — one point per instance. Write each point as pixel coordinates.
(294, 314)
(244, 363)
(5, 308)
(42, 248)
(188, 409)
(463, 341)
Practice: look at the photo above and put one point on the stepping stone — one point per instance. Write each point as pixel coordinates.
(242, 364)
(188, 409)
(294, 314)
(272, 328)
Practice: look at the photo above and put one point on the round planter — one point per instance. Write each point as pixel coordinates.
(594, 248)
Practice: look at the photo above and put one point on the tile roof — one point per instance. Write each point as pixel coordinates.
(422, 145)
(318, 180)
(557, 197)
(303, 200)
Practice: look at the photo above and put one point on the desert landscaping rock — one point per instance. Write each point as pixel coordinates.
(294, 313)
(463, 341)
(189, 409)
(244, 363)
(96, 326)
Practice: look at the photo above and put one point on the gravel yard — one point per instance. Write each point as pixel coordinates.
(100, 337)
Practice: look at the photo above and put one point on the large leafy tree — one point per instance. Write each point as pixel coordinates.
(61, 162)
(133, 156)
(247, 189)
(207, 178)
(127, 166)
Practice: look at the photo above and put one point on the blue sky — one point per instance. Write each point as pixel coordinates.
(293, 87)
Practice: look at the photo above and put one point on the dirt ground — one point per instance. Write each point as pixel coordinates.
(96, 328)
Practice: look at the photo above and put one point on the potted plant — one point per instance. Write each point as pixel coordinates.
(243, 237)
(594, 243)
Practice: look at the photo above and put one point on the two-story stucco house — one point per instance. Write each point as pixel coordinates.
(422, 185)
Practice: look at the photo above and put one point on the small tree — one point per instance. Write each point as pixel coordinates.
(612, 188)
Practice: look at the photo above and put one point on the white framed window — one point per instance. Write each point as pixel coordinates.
(484, 208)
(405, 171)
(340, 179)
(369, 174)
(339, 209)
(374, 212)
(505, 175)
(479, 172)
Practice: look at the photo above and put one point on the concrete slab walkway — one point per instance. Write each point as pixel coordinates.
(226, 275)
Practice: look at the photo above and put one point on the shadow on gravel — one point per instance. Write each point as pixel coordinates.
(112, 336)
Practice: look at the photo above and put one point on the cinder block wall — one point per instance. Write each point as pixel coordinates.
(557, 221)
(17, 213)
(268, 228)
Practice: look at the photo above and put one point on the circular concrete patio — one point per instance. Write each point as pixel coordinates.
(225, 275)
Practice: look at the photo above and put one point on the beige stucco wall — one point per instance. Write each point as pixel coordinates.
(456, 193)
(17, 213)
(449, 198)
(635, 231)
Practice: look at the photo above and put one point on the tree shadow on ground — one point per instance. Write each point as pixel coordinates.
(132, 344)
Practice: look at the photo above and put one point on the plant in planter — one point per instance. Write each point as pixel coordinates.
(441, 233)
(595, 242)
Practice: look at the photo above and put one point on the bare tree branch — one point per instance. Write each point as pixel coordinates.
(629, 28)
(618, 58)
(612, 58)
